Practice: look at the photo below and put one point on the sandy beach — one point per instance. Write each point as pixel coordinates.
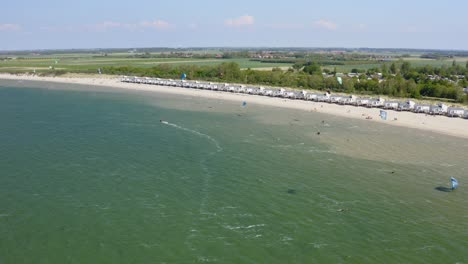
(439, 124)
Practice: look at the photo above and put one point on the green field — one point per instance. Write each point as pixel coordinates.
(92, 62)
(414, 61)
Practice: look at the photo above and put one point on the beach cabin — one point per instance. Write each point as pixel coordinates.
(179, 83)
(279, 93)
(193, 84)
(455, 112)
(257, 91)
(439, 109)
(222, 87)
(435, 110)
(391, 105)
(421, 108)
(299, 95)
(260, 90)
(268, 92)
(289, 94)
(363, 101)
(406, 106)
(212, 86)
(323, 98)
(348, 100)
(240, 89)
(377, 102)
(443, 108)
(311, 96)
(336, 99)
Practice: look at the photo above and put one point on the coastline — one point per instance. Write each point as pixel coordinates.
(439, 124)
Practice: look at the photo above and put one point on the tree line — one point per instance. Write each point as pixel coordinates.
(396, 80)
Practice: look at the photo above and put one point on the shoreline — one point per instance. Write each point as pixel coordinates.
(439, 124)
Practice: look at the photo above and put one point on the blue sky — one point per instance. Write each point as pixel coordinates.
(206, 23)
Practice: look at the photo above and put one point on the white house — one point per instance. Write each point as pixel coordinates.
(289, 94)
(323, 97)
(377, 102)
(279, 93)
(240, 89)
(455, 112)
(349, 100)
(363, 101)
(435, 110)
(335, 98)
(391, 105)
(311, 96)
(422, 108)
(406, 106)
(268, 92)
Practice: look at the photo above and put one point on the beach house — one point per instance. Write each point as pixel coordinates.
(376, 102)
(406, 106)
(323, 98)
(391, 105)
(362, 101)
(336, 99)
(439, 109)
(455, 112)
(422, 108)
(349, 100)
(311, 96)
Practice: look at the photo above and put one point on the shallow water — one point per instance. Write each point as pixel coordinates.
(96, 177)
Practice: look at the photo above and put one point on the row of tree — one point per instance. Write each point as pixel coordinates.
(310, 77)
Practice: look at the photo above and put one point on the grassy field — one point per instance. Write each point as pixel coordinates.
(414, 61)
(91, 62)
(81, 62)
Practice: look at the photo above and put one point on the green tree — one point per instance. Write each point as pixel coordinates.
(405, 67)
(384, 69)
(313, 68)
(393, 68)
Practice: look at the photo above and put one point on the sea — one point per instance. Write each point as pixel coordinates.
(100, 175)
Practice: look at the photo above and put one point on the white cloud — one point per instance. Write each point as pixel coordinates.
(104, 26)
(156, 24)
(325, 24)
(10, 27)
(240, 21)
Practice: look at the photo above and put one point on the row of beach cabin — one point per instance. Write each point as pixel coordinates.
(439, 109)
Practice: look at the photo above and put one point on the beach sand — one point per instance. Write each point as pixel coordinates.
(439, 124)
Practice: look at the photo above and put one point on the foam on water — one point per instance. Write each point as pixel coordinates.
(214, 141)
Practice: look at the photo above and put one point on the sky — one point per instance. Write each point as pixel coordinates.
(79, 24)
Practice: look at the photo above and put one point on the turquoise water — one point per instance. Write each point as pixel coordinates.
(95, 177)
